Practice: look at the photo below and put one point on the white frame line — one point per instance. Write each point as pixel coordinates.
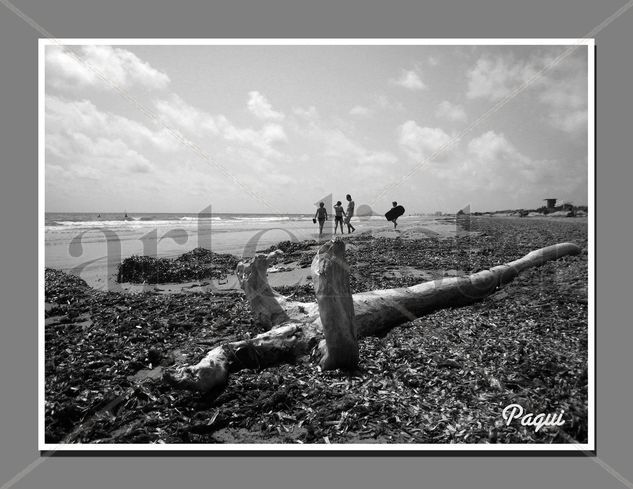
(571, 447)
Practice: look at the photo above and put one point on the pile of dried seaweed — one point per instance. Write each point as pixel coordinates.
(301, 252)
(443, 378)
(290, 247)
(197, 264)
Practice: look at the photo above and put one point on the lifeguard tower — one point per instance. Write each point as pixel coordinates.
(551, 203)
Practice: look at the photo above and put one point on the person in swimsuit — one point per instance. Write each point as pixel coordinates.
(350, 214)
(394, 220)
(321, 216)
(338, 217)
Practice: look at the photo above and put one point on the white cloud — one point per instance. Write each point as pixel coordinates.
(410, 79)
(338, 152)
(493, 163)
(559, 95)
(104, 67)
(182, 115)
(377, 103)
(93, 157)
(257, 171)
(421, 143)
(451, 112)
(360, 110)
(83, 117)
(433, 61)
(493, 147)
(97, 157)
(561, 89)
(571, 123)
(90, 144)
(384, 102)
(340, 147)
(489, 171)
(496, 77)
(202, 124)
(565, 96)
(261, 107)
(381, 158)
(263, 139)
(309, 113)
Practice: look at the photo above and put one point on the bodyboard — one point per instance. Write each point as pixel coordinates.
(394, 213)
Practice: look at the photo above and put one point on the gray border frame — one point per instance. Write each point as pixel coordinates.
(20, 464)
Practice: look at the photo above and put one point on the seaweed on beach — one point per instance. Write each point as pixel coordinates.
(300, 293)
(61, 287)
(104, 354)
(442, 378)
(290, 247)
(301, 252)
(197, 264)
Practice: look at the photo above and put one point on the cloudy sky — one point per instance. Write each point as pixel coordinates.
(276, 128)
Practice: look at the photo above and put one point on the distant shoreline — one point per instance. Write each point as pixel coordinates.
(100, 273)
(96, 252)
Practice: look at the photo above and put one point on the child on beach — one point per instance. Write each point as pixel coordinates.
(321, 216)
(350, 214)
(338, 218)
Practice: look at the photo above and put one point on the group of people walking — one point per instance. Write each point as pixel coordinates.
(321, 216)
(345, 216)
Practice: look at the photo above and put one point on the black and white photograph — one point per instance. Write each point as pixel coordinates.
(316, 244)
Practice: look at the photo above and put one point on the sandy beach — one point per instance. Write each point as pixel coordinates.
(93, 248)
(441, 378)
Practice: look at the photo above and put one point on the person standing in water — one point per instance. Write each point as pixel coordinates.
(349, 214)
(321, 216)
(338, 217)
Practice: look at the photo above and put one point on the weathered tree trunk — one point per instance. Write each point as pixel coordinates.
(330, 276)
(375, 313)
(280, 345)
(265, 307)
(379, 311)
(269, 308)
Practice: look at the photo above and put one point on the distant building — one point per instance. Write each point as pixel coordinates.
(551, 203)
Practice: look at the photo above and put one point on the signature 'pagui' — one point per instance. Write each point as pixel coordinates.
(516, 411)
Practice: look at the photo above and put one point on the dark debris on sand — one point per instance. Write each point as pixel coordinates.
(302, 252)
(197, 264)
(443, 378)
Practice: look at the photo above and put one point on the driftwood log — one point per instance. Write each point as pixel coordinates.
(330, 276)
(332, 325)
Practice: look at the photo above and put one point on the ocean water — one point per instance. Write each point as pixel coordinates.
(110, 219)
(92, 245)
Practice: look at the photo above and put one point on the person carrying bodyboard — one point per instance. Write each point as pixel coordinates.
(394, 213)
